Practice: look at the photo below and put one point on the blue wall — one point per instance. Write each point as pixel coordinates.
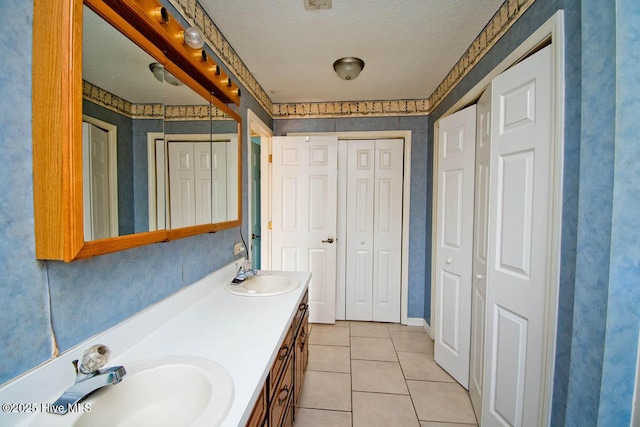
(419, 223)
(623, 311)
(87, 296)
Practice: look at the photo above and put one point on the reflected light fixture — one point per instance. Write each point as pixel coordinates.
(193, 38)
(162, 75)
(348, 68)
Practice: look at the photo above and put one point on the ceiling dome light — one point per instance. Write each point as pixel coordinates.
(194, 38)
(162, 75)
(348, 68)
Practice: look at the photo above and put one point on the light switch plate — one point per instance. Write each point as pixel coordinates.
(238, 248)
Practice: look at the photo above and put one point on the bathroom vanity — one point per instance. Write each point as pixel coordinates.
(261, 342)
(281, 391)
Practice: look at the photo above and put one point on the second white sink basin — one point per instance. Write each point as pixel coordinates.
(264, 284)
(164, 391)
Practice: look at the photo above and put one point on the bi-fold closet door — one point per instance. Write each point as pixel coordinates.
(502, 308)
(197, 183)
(373, 206)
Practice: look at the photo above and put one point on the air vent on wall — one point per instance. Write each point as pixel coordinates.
(317, 4)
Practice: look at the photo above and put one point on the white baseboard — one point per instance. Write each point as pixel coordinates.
(418, 321)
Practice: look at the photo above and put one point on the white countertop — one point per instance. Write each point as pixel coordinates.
(240, 333)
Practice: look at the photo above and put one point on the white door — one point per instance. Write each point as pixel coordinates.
(202, 178)
(219, 181)
(190, 191)
(454, 250)
(519, 241)
(374, 229)
(360, 182)
(96, 208)
(304, 216)
(480, 238)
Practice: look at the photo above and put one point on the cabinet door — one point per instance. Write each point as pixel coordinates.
(281, 398)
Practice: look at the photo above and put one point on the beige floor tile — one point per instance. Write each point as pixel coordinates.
(377, 377)
(329, 358)
(339, 323)
(443, 402)
(432, 424)
(329, 335)
(369, 329)
(373, 349)
(384, 410)
(412, 342)
(421, 366)
(326, 390)
(315, 417)
(405, 328)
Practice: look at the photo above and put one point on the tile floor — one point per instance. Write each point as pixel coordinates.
(364, 374)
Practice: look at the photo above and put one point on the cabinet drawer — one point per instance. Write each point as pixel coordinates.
(302, 309)
(281, 358)
(282, 397)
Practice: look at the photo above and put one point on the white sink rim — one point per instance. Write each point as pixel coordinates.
(250, 287)
(212, 414)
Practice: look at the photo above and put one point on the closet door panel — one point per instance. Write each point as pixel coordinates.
(359, 248)
(387, 237)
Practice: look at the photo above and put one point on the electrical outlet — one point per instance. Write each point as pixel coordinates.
(238, 248)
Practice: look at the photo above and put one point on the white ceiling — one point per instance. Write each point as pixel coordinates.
(408, 46)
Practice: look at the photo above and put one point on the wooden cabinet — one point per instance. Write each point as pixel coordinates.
(301, 358)
(259, 410)
(280, 394)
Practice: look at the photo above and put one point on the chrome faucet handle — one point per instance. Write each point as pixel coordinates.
(94, 358)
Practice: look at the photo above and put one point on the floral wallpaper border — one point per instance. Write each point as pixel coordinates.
(502, 20)
(113, 102)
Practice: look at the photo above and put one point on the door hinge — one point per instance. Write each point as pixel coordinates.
(270, 158)
(269, 225)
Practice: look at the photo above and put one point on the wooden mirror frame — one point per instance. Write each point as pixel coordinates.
(57, 116)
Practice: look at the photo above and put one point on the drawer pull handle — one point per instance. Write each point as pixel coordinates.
(283, 352)
(283, 398)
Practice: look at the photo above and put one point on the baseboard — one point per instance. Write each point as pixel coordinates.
(418, 321)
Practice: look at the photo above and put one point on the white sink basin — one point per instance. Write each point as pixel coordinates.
(264, 284)
(165, 391)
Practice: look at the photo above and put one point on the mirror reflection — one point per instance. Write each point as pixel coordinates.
(156, 155)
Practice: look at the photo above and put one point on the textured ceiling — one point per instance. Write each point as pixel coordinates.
(408, 46)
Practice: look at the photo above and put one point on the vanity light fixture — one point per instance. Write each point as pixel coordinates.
(193, 38)
(348, 68)
(162, 75)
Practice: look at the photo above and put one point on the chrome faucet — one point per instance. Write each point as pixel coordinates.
(89, 378)
(244, 272)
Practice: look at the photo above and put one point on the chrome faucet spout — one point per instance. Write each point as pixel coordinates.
(87, 381)
(244, 272)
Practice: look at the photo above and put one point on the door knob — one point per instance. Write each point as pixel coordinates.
(254, 236)
(479, 276)
(449, 261)
(329, 240)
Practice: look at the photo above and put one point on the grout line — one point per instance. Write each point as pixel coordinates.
(350, 375)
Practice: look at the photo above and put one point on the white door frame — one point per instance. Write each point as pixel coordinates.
(406, 198)
(553, 31)
(256, 125)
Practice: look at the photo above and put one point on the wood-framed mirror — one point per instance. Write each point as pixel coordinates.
(80, 105)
